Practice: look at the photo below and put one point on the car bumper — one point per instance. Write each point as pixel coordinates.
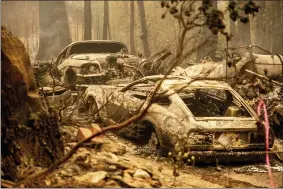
(224, 156)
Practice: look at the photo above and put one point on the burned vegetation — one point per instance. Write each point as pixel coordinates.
(91, 110)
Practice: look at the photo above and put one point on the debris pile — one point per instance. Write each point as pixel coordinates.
(253, 89)
(93, 167)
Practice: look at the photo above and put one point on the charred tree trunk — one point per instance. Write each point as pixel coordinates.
(97, 22)
(54, 33)
(132, 27)
(87, 20)
(144, 32)
(243, 30)
(105, 20)
(233, 42)
(243, 34)
(261, 26)
(277, 27)
(207, 35)
(29, 137)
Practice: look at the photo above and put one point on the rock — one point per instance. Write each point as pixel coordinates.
(141, 174)
(47, 182)
(59, 181)
(65, 173)
(112, 184)
(112, 167)
(110, 155)
(91, 177)
(115, 148)
(67, 149)
(70, 170)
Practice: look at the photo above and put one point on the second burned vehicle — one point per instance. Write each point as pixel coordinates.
(84, 63)
(205, 117)
(95, 62)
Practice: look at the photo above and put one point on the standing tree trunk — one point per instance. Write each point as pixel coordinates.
(54, 33)
(277, 27)
(233, 42)
(261, 26)
(207, 35)
(243, 30)
(144, 35)
(29, 136)
(87, 20)
(132, 27)
(105, 20)
(97, 22)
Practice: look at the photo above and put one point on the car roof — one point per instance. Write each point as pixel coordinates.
(95, 41)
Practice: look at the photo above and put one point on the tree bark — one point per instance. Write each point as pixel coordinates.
(233, 42)
(29, 136)
(144, 35)
(261, 26)
(54, 33)
(87, 20)
(277, 27)
(132, 27)
(105, 20)
(206, 34)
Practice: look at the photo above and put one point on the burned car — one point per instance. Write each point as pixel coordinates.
(90, 62)
(204, 116)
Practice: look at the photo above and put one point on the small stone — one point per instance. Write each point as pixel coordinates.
(91, 177)
(112, 184)
(218, 168)
(64, 173)
(115, 148)
(141, 174)
(47, 182)
(67, 149)
(112, 167)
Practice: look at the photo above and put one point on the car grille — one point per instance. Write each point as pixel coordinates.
(94, 80)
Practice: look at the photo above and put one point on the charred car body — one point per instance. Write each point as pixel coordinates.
(96, 62)
(203, 116)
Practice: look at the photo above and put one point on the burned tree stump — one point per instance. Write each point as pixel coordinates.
(30, 136)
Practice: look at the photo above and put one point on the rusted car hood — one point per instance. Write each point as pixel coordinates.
(80, 59)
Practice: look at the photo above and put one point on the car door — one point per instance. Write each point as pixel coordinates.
(122, 107)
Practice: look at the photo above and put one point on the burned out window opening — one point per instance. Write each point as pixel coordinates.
(84, 48)
(204, 102)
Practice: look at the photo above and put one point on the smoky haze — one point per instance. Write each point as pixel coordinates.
(46, 27)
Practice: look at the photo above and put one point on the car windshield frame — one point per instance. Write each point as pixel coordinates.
(105, 45)
(175, 96)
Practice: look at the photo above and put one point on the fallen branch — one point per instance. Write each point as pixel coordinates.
(59, 162)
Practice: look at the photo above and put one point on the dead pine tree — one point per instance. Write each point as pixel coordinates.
(132, 27)
(144, 35)
(87, 20)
